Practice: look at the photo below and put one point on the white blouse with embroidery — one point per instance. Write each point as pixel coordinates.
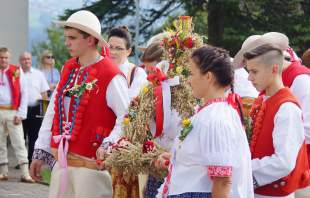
(216, 146)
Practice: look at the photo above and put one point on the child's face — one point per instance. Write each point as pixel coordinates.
(260, 75)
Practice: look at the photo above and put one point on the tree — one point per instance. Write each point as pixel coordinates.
(54, 43)
(226, 23)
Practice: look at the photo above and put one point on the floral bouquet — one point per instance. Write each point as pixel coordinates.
(138, 155)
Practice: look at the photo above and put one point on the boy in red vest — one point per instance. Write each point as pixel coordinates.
(279, 153)
(13, 109)
(86, 109)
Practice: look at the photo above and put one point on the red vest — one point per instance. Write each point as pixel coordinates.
(295, 69)
(13, 74)
(300, 176)
(93, 119)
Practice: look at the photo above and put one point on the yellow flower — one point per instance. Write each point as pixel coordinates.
(179, 70)
(186, 122)
(126, 121)
(145, 90)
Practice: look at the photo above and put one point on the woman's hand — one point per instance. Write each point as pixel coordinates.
(163, 161)
(221, 187)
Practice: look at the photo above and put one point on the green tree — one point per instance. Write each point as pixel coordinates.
(226, 23)
(54, 43)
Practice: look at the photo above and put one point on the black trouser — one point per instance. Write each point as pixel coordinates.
(31, 127)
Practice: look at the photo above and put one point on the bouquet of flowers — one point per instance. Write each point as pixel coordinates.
(138, 155)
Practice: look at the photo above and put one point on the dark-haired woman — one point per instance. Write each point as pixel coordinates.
(211, 157)
(120, 42)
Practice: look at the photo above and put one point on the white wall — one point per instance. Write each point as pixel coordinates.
(14, 26)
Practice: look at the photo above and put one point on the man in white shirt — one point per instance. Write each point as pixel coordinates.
(37, 87)
(13, 109)
(86, 109)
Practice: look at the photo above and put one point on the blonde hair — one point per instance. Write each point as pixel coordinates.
(43, 55)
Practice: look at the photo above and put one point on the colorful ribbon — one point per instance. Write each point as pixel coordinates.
(62, 156)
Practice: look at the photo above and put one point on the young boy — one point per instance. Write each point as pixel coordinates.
(85, 110)
(279, 153)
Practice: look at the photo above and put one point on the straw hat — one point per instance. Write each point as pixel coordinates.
(277, 39)
(155, 39)
(87, 22)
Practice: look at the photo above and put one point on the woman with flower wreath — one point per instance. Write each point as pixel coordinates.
(152, 57)
(211, 157)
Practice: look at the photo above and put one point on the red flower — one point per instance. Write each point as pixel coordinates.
(184, 17)
(188, 42)
(148, 146)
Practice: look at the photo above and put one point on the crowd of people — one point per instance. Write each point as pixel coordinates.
(266, 82)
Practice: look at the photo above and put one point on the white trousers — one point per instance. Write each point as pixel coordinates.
(82, 183)
(303, 193)
(16, 134)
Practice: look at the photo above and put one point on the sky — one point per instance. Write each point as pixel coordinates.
(43, 12)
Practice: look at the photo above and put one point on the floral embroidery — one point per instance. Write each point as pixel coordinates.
(45, 156)
(219, 171)
(78, 90)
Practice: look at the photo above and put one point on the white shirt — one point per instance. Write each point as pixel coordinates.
(36, 84)
(217, 139)
(301, 89)
(139, 80)
(6, 93)
(117, 99)
(168, 136)
(288, 136)
(243, 87)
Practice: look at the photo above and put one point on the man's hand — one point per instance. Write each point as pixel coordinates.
(163, 161)
(17, 120)
(35, 169)
(101, 154)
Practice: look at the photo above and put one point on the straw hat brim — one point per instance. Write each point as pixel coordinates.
(83, 28)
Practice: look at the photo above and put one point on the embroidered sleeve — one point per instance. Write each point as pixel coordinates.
(46, 157)
(219, 171)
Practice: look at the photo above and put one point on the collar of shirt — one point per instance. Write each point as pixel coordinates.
(126, 67)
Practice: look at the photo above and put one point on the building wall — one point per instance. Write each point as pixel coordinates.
(14, 26)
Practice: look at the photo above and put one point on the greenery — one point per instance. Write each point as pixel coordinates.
(225, 23)
(56, 44)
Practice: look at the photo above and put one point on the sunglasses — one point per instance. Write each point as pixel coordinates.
(49, 57)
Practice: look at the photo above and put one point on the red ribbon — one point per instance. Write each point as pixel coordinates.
(156, 77)
(233, 99)
(105, 52)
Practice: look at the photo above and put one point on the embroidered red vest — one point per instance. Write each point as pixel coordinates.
(91, 117)
(295, 69)
(13, 74)
(300, 176)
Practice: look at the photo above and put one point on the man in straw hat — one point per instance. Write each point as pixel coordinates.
(85, 110)
(279, 154)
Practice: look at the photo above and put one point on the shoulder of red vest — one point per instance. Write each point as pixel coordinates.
(14, 67)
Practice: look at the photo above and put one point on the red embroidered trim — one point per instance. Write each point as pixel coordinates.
(212, 101)
(84, 99)
(219, 171)
(257, 115)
